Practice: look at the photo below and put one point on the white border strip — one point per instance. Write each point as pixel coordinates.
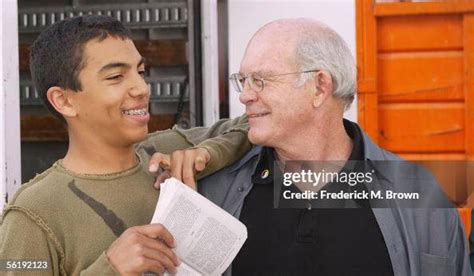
(210, 62)
(10, 153)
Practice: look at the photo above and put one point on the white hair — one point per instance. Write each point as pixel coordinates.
(323, 49)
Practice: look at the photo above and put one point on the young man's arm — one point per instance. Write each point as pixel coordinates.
(226, 142)
(25, 237)
(22, 240)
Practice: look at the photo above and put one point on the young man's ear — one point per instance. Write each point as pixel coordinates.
(323, 87)
(60, 100)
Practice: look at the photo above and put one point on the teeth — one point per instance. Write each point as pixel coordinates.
(258, 115)
(140, 112)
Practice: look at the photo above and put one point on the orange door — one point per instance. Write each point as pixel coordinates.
(416, 79)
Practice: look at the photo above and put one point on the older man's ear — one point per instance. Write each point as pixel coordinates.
(323, 88)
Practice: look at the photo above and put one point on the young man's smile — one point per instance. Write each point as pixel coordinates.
(138, 115)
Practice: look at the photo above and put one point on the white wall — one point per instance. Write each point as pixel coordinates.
(10, 165)
(247, 16)
(210, 62)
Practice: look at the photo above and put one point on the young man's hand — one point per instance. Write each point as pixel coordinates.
(145, 248)
(181, 164)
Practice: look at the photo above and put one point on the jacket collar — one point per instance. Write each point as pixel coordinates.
(372, 152)
(255, 151)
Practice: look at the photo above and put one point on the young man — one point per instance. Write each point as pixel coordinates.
(89, 213)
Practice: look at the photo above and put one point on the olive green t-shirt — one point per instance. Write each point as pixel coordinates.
(69, 220)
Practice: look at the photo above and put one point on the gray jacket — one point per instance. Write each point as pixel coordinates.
(420, 241)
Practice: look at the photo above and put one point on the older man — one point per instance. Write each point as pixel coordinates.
(296, 80)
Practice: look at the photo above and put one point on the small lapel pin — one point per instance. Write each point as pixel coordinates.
(265, 173)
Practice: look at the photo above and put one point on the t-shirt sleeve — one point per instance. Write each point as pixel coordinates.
(23, 240)
(101, 266)
(226, 142)
(224, 150)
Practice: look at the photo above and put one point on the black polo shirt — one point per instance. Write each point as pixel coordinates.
(308, 242)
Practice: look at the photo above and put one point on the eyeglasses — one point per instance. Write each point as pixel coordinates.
(256, 82)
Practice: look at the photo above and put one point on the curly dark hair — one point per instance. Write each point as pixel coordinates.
(56, 56)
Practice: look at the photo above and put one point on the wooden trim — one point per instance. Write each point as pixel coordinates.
(163, 52)
(419, 33)
(157, 53)
(366, 86)
(407, 8)
(366, 41)
(41, 128)
(24, 54)
(469, 101)
(469, 84)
